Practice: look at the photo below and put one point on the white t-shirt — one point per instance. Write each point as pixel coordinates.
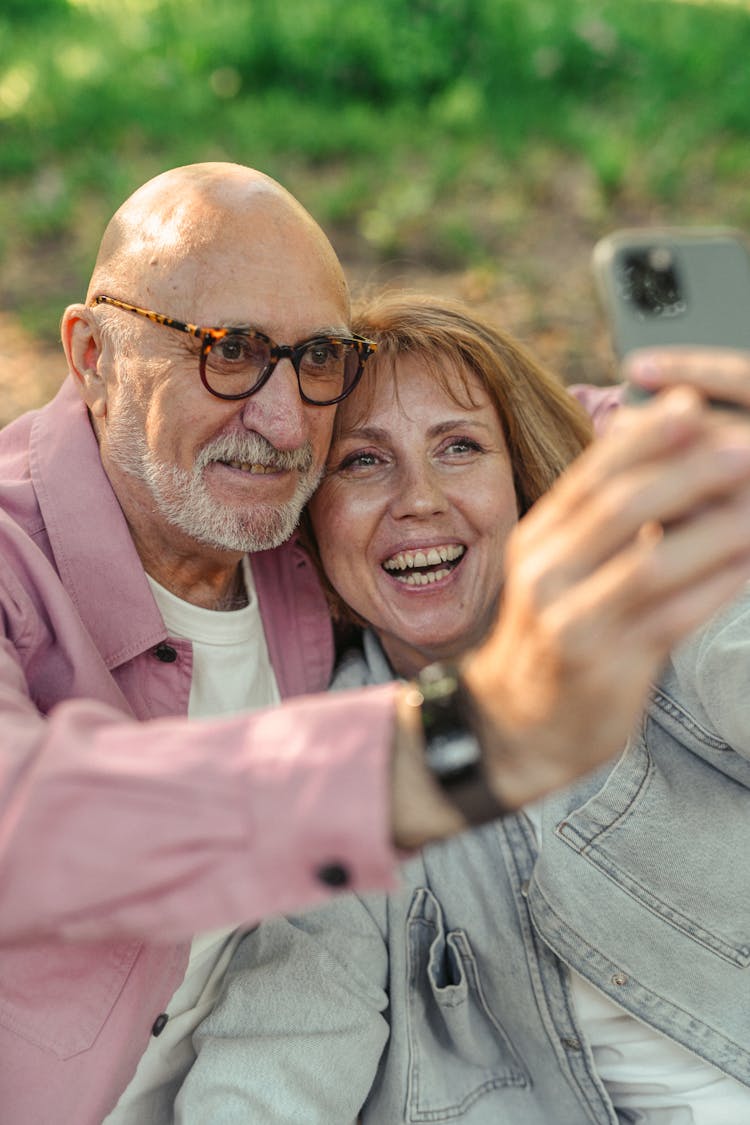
(650, 1078)
(231, 672)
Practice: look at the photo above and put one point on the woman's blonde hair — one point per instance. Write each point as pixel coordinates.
(544, 427)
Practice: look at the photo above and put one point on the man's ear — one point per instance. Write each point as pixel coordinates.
(81, 340)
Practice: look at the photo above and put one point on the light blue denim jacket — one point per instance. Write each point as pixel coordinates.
(450, 1000)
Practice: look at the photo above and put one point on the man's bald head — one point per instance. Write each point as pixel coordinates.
(217, 245)
(180, 233)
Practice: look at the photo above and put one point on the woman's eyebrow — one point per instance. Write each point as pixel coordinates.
(462, 423)
(382, 434)
(363, 433)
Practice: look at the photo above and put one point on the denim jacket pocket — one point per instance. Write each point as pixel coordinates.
(672, 832)
(458, 1050)
(59, 996)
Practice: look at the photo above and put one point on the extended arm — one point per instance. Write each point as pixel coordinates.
(110, 827)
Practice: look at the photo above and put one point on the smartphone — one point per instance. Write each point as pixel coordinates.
(674, 286)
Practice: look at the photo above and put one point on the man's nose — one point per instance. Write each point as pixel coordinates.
(276, 411)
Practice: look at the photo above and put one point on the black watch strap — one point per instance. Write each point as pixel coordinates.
(452, 749)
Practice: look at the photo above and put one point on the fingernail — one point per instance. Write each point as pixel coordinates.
(645, 370)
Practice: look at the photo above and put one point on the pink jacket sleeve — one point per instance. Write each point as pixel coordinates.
(599, 402)
(110, 826)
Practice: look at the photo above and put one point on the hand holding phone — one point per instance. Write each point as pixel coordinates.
(676, 288)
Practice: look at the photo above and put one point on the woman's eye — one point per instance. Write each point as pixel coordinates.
(362, 459)
(462, 445)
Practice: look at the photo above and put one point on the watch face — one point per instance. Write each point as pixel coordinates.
(452, 753)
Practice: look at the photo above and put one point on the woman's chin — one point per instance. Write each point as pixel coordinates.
(419, 643)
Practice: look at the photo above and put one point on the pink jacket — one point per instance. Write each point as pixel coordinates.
(119, 840)
(599, 402)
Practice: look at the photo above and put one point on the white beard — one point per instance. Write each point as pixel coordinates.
(182, 498)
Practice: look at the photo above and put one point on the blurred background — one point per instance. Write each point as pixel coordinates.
(472, 147)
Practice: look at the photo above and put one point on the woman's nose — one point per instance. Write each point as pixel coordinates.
(419, 492)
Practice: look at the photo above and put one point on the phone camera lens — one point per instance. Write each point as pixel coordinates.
(660, 259)
(649, 280)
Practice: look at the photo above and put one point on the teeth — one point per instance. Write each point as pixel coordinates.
(420, 579)
(407, 560)
(247, 467)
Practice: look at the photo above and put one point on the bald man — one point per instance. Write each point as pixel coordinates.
(204, 369)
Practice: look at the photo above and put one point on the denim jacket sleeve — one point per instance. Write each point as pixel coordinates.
(300, 1027)
(708, 674)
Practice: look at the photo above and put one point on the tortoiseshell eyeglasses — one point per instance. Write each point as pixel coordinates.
(237, 362)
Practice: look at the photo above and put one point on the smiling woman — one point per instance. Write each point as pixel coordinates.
(453, 434)
(414, 513)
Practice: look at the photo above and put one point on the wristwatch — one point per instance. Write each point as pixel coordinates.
(452, 750)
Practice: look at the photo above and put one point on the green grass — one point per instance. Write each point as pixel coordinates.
(380, 114)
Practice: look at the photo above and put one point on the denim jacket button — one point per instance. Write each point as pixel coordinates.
(619, 979)
(166, 653)
(571, 1042)
(159, 1024)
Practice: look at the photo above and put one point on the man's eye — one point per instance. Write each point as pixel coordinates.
(231, 347)
(320, 354)
(323, 357)
(239, 349)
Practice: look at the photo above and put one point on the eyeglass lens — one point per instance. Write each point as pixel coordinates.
(326, 368)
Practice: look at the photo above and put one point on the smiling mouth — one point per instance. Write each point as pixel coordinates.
(255, 468)
(423, 567)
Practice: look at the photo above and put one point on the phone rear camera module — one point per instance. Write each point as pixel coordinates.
(649, 280)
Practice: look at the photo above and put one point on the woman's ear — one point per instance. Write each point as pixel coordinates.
(82, 343)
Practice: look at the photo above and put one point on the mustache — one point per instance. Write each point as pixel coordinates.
(255, 450)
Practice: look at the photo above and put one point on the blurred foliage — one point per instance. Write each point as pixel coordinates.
(373, 112)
